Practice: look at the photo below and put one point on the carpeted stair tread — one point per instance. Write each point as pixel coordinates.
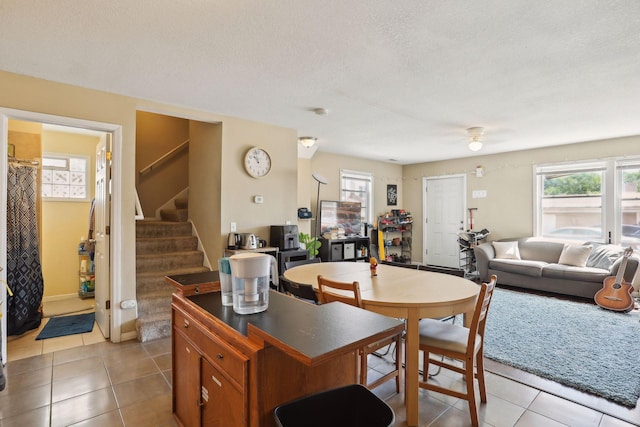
(154, 228)
(150, 245)
(181, 203)
(174, 215)
(154, 326)
(168, 261)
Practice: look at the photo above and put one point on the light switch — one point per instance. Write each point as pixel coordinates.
(479, 194)
(258, 199)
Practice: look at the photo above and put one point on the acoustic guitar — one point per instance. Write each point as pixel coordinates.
(616, 293)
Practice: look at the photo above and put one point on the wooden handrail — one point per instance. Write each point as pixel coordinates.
(164, 157)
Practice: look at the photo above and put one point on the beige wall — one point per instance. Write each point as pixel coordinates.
(237, 188)
(156, 135)
(507, 211)
(329, 165)
(65, 223)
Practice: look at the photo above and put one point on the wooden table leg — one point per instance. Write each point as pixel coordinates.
(411, 387)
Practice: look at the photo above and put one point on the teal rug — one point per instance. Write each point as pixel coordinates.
(67, 325)
(576, 344)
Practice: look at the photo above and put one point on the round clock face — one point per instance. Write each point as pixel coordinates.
(257, 162)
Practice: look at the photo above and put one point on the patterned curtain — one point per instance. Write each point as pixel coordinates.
(24, 273)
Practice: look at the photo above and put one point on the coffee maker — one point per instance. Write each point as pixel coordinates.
(284, 237)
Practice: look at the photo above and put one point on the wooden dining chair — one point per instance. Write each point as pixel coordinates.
(349, 293)
(458, 343)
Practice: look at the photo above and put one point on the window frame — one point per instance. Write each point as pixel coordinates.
(68, 159)
(367, 177)
(611, 194)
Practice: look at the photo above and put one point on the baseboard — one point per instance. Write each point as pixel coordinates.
(126, 336)
(59, 297)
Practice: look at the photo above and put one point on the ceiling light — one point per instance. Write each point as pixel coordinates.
(475, 135)
(307, 141)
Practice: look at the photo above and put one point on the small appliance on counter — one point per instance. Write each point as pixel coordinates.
(248, 241)
(284, 237)
(233, 241)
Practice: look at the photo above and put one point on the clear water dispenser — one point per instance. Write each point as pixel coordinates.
(251, 274)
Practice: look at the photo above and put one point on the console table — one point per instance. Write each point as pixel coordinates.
(234, 370)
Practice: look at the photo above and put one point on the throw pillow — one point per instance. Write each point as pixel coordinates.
(575, 255)
(506, 250)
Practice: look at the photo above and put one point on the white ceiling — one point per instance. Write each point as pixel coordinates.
(401, 79)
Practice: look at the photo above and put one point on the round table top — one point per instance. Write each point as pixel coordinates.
(393, 285)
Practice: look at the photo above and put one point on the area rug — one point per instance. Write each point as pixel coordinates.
(67, 325)
(576, 344)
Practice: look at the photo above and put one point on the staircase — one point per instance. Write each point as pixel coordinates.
(163, 248)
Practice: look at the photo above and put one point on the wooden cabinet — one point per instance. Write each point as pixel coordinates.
(234, 370)
(223, 402)
(209, 377)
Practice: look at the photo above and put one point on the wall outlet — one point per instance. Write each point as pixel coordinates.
(233, 227)
(479, 194)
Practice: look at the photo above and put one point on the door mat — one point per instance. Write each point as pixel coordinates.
(67, 325)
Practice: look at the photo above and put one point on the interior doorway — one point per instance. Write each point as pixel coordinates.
(444, 206)
(71, 126)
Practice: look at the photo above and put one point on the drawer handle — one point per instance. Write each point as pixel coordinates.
(220, 356)
(186, 323)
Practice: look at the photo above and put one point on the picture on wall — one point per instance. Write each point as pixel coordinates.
(392, 195)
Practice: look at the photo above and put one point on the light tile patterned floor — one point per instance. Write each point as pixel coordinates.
(128, 384)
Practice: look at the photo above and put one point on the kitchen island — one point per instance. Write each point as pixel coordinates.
(234, 370)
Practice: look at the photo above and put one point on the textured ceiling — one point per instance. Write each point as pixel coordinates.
(401, 80)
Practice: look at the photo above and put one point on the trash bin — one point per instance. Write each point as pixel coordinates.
(350, 406)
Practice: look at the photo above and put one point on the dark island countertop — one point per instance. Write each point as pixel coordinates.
(309, 333)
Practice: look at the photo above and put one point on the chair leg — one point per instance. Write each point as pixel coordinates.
(398, 363)
(480, 376)
(363, 367)
(471, 395)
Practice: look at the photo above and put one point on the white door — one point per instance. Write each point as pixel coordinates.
(444, 204)
(101, 227)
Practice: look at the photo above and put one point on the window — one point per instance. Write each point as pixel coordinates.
(589, 201)
(358, 187)
(65, 177)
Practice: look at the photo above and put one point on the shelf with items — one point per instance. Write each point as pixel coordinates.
(87, 272)
(346, 249)
(395, 237)
(467, 241)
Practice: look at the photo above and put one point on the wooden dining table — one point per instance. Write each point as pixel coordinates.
(399, 292)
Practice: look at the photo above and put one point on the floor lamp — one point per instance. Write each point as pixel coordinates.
(321, 180)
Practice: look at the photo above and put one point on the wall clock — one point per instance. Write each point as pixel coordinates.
(257, 162)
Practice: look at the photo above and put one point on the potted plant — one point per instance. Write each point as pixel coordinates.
(311, 244)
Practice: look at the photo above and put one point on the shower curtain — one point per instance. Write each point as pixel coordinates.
(24, 272)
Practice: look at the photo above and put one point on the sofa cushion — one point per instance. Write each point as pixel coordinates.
(568, 272)
(575, 255)
(603, 255)
(518, 266)
(506, 250)
(539, 250)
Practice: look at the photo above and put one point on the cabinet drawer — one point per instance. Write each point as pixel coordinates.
(230, 361)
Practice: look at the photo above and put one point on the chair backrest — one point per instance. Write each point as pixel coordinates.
(348, 292)
(291, 264)
(479, 320)
(445, 270)
(300, 290)
(400, 264)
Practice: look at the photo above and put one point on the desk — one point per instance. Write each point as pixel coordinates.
(401, 293)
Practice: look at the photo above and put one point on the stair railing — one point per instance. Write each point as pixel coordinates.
(139, 213)
(165, 157)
